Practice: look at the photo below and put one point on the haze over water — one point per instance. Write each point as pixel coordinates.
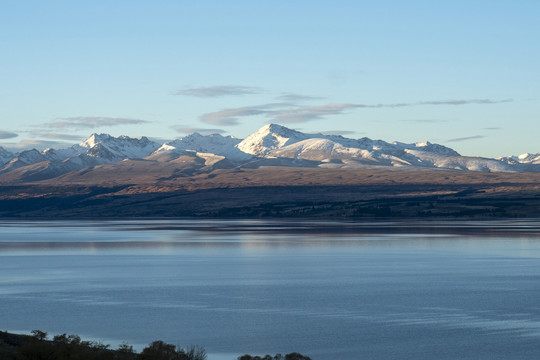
(330, 290)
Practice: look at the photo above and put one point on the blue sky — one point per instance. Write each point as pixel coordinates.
(459, 73)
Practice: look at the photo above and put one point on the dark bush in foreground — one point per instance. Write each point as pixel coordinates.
(158, 350)
(291, 356)
(71, 347)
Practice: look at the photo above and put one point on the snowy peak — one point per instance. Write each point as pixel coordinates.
(522, 159)
(24, 158)
(96, 150)
(337, 151)
(270, 137)
(436, 148)
(200, 143)
(211, 144)
(5, 156)
(130, 148)
(110, 148)
(529, 158)
(101, 151)
(277, 140)
(29, 157)
(52, 154)
(94, 139)
(271, 145)
(428, 147)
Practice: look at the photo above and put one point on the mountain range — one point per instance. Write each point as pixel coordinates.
(272, 145)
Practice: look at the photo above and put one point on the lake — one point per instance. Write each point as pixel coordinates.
(327, 289)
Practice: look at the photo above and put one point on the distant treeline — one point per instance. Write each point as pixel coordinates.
(70, 347)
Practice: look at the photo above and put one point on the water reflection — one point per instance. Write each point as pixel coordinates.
(331, 290)
(170, 236)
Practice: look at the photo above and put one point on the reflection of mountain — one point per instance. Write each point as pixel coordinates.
(272, 145)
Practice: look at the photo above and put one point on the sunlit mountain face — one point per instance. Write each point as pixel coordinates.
(271, 145)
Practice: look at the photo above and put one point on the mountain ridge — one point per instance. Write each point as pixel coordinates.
(271, 145)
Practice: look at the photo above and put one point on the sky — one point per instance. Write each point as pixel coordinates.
(465, 74)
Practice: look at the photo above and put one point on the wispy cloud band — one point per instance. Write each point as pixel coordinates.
(54, 135)
(293, 113)
(308, 113)
(7, 135)
(297, 97)
(86, 122)
(182, 129)
(425, 121)
(438, 102)
(218, 91)
(466, 138)
(36, 144)
(339, 132)
(228, 117)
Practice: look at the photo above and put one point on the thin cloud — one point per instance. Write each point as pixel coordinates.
(297, 97)
(438, 102)
(467, 138)
(218, 91)
(466, 102)
(425, 121)
(276, 112)
(54, 136)
(228, 117)
(308, 113)
(339, 132)
(203, 131)
(86, 122)
(292, 113)
(35, 144)
(7, 135)
(492, 128)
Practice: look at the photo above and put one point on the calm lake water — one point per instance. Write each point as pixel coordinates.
(330, 290)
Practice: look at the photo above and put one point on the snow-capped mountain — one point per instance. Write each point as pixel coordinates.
(96, 150)
(103, 148)
(93, 140)
(61, 154)
(24, 158)
(279, 141)
(428, 147)
(270, 137)
(271, 145)
(5, 156)
(210, 144)
(462, 163)
(363, 151)
(122, 147)
(522, 159)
